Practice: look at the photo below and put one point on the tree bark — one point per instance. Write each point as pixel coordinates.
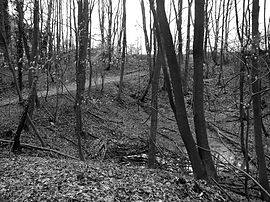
(186, 70)
(4, 26)
(181, 113)
(146, 39)
(92, 4)
(154, 111)
(123, 55)
(19, 46)
(80, 69)
(198, 92)
(16, 147)
(256, 101)
(109, 35)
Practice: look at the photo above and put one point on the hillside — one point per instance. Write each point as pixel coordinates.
(115, 146)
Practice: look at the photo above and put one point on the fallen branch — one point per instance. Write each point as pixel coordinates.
(35, 130)
(218, 185)
(242, 171)
(103, 119)
(28, 146)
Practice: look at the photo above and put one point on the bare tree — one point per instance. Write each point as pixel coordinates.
(154, 110)
(198, 91)
(123, 54)
(81, 68)
(256, 101)
(146, 38)
(109, 34)
(19, 45)
(91, 8)
(178, 18)
(181, 113)
(34, 61)
(4, 40)
(148, 48)
(186, 68)
(101, 13)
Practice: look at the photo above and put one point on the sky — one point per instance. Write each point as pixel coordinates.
(135, 33)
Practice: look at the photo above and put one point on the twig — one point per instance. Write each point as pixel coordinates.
(221, 189)
(35, 130)
(246, 174)
(103, 119)
(28, 146)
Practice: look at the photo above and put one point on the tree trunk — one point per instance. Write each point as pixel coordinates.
(198, 92)
(179, 20)
(186, 70)
(181, 113)
(256, 101)
(92, 4)
(19, 46)
(80, 69)
(101, 12)
(4, 26)
(16, 147)
(154, 111)
(146, 39)
(148, 52)
(34, 60)
(109, 36)
(123, 55)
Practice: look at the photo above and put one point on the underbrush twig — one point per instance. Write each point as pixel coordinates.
(28, 146)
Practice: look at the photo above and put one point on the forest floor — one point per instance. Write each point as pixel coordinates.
(115, 148)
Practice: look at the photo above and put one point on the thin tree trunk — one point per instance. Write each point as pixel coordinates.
(34, 60)
(4, 26)
(11, 68)
(80, 70)
(16, 147)
(179, 28)
(109, 35)
(123, 56)
(19, 45)
(154, 112)
(264, 25)
(256, 101)
(198, 92)
(101, 12)
(181, 113)
(92, 4)
(186, 70)
(148, 52)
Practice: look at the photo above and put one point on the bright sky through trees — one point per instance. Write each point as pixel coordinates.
(135, 37)
(134, 19)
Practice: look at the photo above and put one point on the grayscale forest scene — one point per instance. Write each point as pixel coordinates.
(134, 100)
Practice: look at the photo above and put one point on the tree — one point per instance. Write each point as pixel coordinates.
(148, 48)
(34, 61)
(80, 68)
(181, 113)
(198, 91)
(146, 39)
(256, 101)
(101, 13)
(178, 18)
(123, 54)
(186, 69)
(19, 44)
(91, 8)
(154, 110)
(109, 35)
(4, 40)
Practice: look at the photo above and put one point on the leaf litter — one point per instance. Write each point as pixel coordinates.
(47, 179)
